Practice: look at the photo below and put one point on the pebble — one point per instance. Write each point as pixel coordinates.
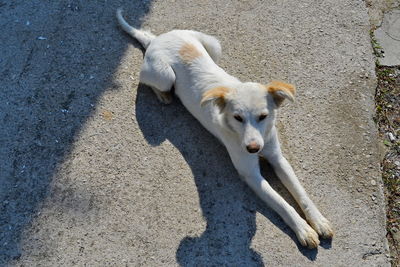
(391, 137)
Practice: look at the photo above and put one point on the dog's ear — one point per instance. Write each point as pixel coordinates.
(217, 95)
(281, 91)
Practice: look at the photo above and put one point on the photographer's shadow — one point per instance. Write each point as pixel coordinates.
(227, 204)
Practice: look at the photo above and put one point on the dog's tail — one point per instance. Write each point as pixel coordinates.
(143, 37)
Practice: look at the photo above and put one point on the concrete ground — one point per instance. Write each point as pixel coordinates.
(388, 38)
(94, 171)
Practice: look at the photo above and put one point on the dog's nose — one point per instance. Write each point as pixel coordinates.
(253, 147)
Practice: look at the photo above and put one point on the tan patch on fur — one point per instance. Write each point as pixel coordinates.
(189, 52)
(275, 86)
(218, 94)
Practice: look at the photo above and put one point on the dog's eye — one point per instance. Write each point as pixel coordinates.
(238, 118)
(262, 117)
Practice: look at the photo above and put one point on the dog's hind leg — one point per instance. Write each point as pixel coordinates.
(211, 44)
(159, 76)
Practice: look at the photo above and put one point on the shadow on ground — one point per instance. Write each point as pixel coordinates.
(58, 57)
(227, 204)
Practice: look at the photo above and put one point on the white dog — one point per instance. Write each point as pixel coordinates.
(240, 114)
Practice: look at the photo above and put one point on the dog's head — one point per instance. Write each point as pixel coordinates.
(249, 110)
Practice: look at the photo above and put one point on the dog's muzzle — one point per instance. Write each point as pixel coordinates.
(253, 147)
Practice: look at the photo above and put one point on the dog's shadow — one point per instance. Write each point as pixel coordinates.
(227, 204)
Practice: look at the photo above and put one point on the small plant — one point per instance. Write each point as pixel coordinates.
(378, 52)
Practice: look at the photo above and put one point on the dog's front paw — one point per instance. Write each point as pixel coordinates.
(322, 226)
(307, 236)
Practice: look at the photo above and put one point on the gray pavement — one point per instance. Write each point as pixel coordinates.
(94, 171)
(388, 38)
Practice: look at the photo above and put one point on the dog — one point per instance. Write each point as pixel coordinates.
(241, 115)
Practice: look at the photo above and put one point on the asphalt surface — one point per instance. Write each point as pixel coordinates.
(94, 171)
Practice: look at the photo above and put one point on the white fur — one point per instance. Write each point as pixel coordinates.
(164, 67)
(143, 37)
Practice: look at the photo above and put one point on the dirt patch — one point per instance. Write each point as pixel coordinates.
(388, 119)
